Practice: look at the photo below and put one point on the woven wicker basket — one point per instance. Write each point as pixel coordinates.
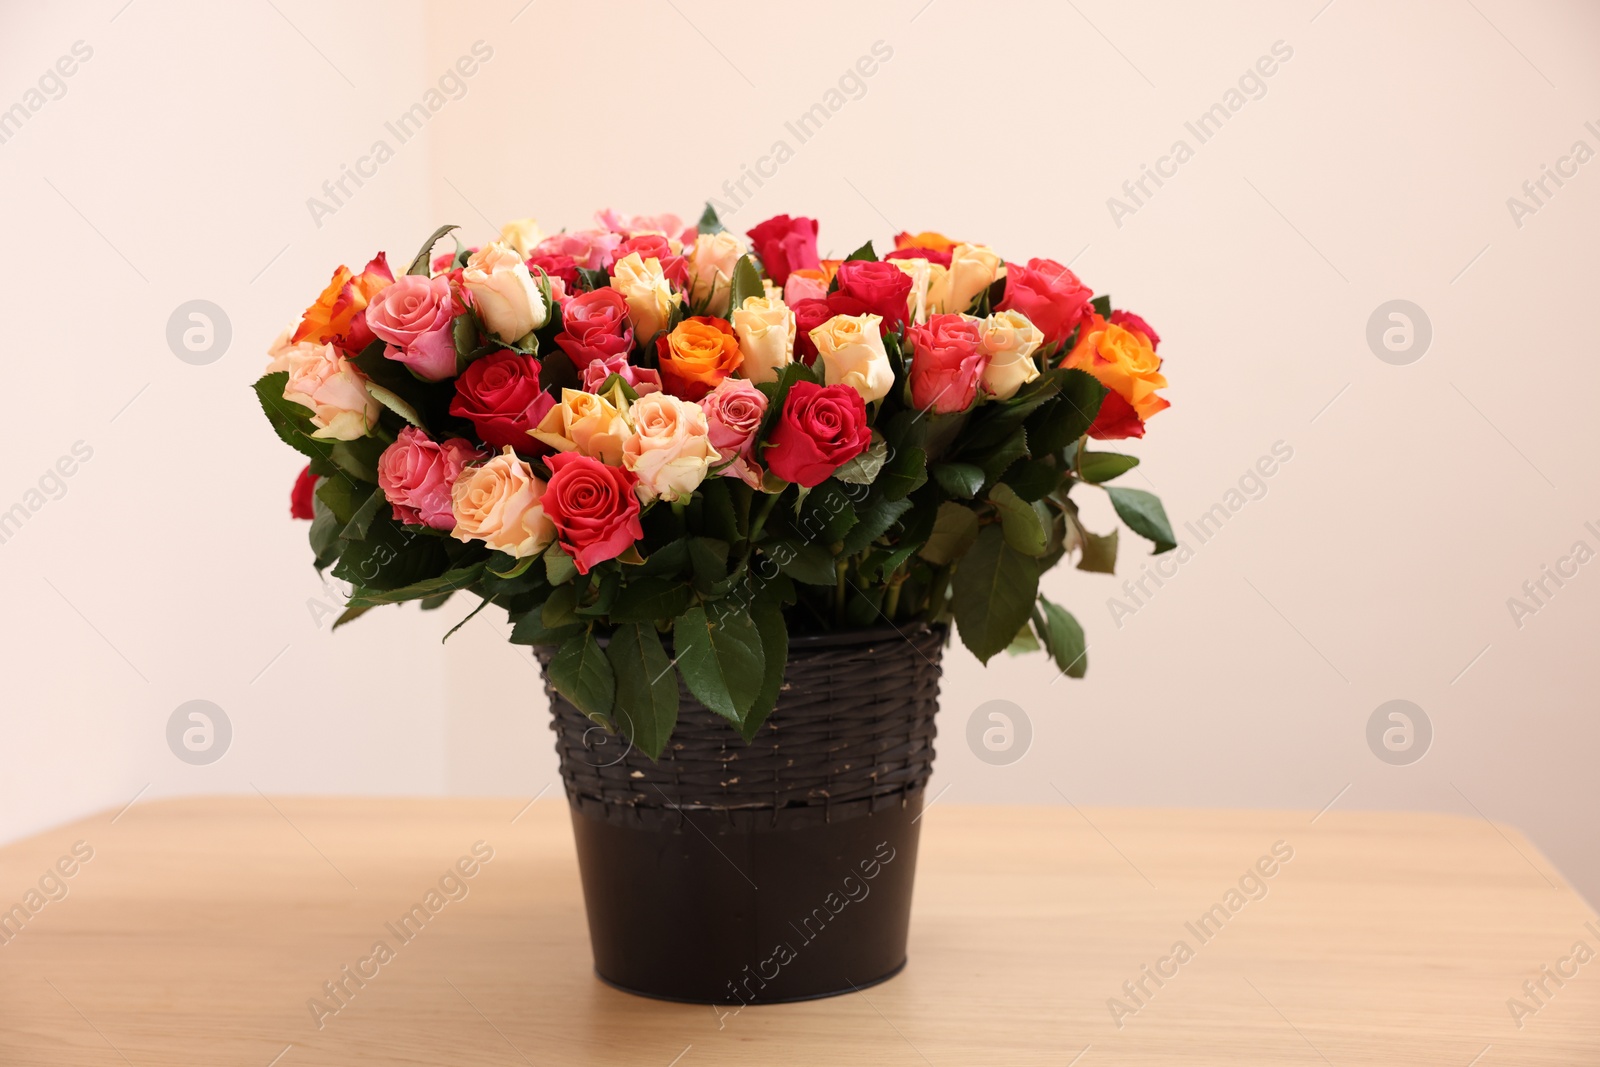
(697, 865)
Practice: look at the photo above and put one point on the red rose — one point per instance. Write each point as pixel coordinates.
(655, 246)
(1129, 321)
(557, 266)
(594, 508)
(786, 244)
(1050, 295)
(300, 496)
(595, 326)
(945, 363)
(929, 254)
(870, 288)
(808, 315)
(500, 394)
(819, 430)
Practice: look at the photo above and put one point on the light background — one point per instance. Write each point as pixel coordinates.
(1376, 166)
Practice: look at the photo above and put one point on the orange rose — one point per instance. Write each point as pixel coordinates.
(1123, 362)
(339, 315)
(933, 242)
(697, 355)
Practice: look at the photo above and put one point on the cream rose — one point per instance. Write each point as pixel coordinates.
(670, 449)
(522, 234)
(973, 268)
(851, 350)
(765, 327)
(591, 425)
(1009, 340)
(504, 293)
(501, 504)
(921, 272)
(322, 379)
(711, 264)
(649, 295)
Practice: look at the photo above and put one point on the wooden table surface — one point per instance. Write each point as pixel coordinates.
(199, 931)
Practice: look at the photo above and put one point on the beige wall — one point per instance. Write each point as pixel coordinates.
(1374, 165)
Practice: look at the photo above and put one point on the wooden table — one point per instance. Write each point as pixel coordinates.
(200, 929)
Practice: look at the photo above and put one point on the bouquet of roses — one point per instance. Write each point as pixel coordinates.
(645, 431)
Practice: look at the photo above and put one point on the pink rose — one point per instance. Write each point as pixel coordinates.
(668, 225)
(643, 379)
(589, 249)
(595, 326)
(1050, 295)
(558, 266)
(946, 363)
(654, 246)
(594, 507)
(416, 475)
(413, 316)
(734, 411)
(800, 287)
(323, 379)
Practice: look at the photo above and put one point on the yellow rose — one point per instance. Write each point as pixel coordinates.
(1009, 340)
(765, 327)
(522, 234)
(504, 293)
(973, 268)
(650, 297)
(591, 425)
(711, 264)
(850, 348)
(670, 449)
(500, 504)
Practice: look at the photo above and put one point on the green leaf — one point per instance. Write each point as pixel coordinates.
(668, 560)
(1058, 424)
(904, 473)
(993, 593)
(720, 658)
(531, 630)
(1144, 515)
(959, 479)
(1100, 467)
(361, 520)
(449, 581)
(325, 543)
(1034, 479)
(873, 521)
(349, 615)
(746, 283)
(518, 566)
(647, 687)
(358, 458)
(1099, 553)
(395, 403)
(582, 674)
(560, 608)
(343, 497)
(768, 616)
(421, 263)
(955, 529)
(289, 420)
(464, 333)
(998, 461)
(804, 562)
(863, 469)
(1102, 305)
(827, 514)
(1024, 642)
(715, 502)
(1063, 638)
(432, 603)
(648, 598)
(1024, 530)
(391, 558)
(864, 252)
(709, 223)
(594, 279)
(558, 566)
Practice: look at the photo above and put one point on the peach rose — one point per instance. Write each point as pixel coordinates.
(697, 355)
(973, 268)
(591, 425)
(765, 328)
(1009, 340)
(711, 264)
(670, 450)
(504, 293)
(651, 300)
(851, 350)
(322, 379)
(522, 234)
(501, 504)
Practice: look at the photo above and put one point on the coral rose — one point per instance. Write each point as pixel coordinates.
(697, 355)
(670, 450)
(1125, 363)
(1050, 295)
(595, 326)
(500, 394)
(501, 503)
(417, 475)
(852, 353)
(336, 317)
(820, 429)
(945, 363)
(594, 508)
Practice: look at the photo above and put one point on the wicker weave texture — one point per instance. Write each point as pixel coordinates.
(852, 733)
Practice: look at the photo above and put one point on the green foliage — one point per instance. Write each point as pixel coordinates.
(646, 687)
(720, 658)
(581, 672)
(1144, 515)
(993, 593)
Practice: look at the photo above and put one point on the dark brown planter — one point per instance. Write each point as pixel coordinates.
(780, 870)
